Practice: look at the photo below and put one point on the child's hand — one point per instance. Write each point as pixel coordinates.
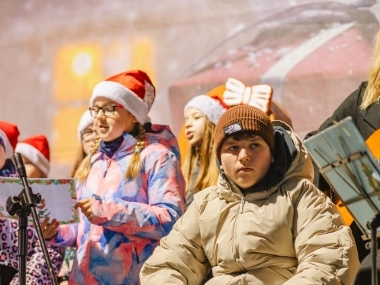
(85, 206)
(49, 230)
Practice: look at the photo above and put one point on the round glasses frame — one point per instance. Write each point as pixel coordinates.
(108, 110)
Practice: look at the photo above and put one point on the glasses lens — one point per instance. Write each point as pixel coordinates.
(108, 110)
(94, 111)
(86, 133)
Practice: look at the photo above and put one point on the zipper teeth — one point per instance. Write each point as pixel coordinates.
(241, 205)
(234, 233)
(108, 165)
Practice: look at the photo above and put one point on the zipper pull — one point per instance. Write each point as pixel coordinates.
(241, 205)
(108, 165)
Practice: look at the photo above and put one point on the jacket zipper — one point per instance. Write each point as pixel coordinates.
(108, 165)
(241, 206)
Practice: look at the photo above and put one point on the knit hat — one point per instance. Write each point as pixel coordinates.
(36, 150)
(9, 133)
(243, 118)
(212, 106)
(132, 89)
(85, 121)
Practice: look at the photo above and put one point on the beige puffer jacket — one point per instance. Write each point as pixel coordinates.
(289, 234)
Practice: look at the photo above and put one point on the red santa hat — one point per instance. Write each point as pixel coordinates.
(132, 89)
(9, 133)
(212, 106)
(85, 121)
(36, 150)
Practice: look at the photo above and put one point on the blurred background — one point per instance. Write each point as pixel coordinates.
(52, 54)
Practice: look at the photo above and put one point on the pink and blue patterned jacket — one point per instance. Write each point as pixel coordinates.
(130, 216)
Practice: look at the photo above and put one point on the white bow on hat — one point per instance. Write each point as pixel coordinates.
(259, 96)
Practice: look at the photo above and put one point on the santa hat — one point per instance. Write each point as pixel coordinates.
(212, 106)
(36, 150)
(85, 121)
(9, 133)
(132, 89)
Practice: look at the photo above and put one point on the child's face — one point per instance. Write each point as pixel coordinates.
(31, 170)
(245, 161)
(88, 135)
(194, 126)
(113, 126)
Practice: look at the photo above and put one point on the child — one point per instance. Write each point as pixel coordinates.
(86, 136)
(130, 193)
(8, 139)
(201, 114)
(35, 155)
(36, 267)
(264, 223)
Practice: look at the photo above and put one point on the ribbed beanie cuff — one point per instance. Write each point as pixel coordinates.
(243, 118)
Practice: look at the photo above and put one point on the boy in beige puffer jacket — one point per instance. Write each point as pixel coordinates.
(264, 223)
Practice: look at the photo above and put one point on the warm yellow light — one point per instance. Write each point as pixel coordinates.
(82, 63)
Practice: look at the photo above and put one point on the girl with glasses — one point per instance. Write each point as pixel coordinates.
(130, 188)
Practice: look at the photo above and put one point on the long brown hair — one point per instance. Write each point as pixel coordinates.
(205, 156)
(371, 94)
(135, 164)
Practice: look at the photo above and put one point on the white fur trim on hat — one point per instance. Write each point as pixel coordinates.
(125, 97)
(8, 147)
(85, 121)
(208, 106)
(34, 156)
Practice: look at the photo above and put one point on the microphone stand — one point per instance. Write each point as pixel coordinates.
(23, 205)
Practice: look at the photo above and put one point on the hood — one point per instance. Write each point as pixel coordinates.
(162, 134)
(291, 160)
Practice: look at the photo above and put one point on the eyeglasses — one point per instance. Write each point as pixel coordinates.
(87, 133)
(108, 110)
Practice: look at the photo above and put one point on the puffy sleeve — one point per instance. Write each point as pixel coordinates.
(324, 246)
(66, 236)
(180, 258)
(165, 202)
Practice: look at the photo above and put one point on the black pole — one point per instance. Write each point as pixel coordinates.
(374, 224)
(22, 247)
(23, 205)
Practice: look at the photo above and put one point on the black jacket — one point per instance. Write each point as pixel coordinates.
(367, 122)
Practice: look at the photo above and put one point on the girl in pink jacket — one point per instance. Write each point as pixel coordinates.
(130, 188)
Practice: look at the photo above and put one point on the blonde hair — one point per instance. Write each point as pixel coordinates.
(84, 167)
(371, 94)
(205, 155)
(78, 159)
(135, 163)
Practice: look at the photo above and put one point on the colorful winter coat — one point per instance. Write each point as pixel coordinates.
(129, 215)
(36, 267)
(289, 233)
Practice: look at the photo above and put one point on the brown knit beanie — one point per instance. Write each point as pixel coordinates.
(243, 118)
